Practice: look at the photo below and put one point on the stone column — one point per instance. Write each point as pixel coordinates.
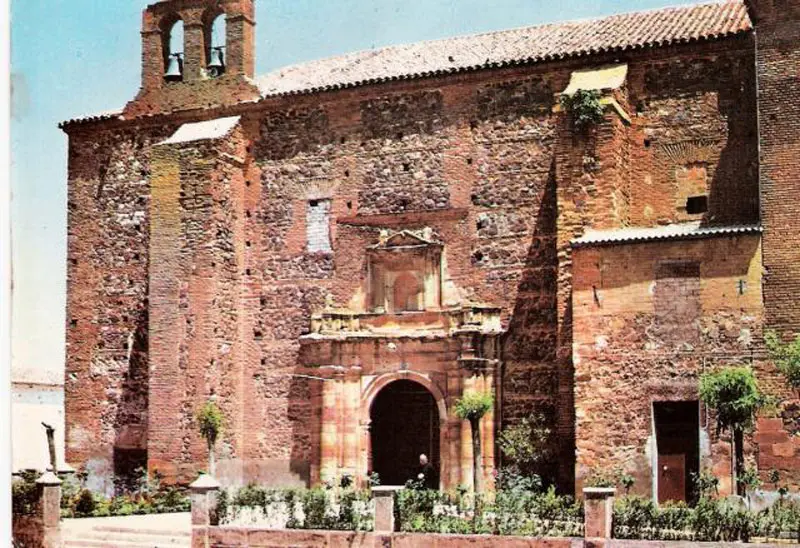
(330, 431)
(50, 509)
(598, 506)
(384, 508)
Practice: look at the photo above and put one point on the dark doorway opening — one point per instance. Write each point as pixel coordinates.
(678, 439)
(404, 424)
(130, 467)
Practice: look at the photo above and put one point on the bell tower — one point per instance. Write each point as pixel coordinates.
(195, 54)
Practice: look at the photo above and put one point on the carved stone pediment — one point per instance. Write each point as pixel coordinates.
(404, 239)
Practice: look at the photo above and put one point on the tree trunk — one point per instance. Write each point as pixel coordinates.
(737, 441)
(477, 475)
(212, 465)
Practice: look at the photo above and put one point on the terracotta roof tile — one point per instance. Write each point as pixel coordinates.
(511, 47)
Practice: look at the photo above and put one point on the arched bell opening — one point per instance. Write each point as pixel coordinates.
(404, 423)
(172, 36)
(215, 29)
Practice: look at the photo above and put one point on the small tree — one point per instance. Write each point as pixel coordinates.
(584, 107)
(786, 357)
(524, 445)
(209, 421)
(472, 407)
(733, 393)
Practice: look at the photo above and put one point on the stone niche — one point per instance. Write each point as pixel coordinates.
(405, 272)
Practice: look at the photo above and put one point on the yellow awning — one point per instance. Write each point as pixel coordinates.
(603, 78)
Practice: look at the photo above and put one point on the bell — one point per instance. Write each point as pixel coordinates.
(216, 65)
(174, 69)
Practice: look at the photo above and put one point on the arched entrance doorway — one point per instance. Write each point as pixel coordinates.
(404, 421)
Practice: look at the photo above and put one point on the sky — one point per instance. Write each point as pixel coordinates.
(76, 57)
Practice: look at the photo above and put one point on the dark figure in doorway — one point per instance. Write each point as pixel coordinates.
(426, 474)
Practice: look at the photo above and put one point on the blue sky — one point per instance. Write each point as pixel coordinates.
(73, 57)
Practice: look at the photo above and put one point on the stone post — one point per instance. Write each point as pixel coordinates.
(204, 501)
(384, 507)
(598, 506)
(50, 509)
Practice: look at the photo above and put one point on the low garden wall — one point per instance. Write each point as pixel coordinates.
(257, 517)
(247, 537)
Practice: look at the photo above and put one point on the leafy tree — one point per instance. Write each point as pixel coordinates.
(734, 394)
(209, 422)
(786, 356)
(526, 443)
(472, 407)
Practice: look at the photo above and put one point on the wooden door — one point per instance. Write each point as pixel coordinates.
(671, 477)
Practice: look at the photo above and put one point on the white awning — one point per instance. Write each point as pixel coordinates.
(603, 78)
(200, 131)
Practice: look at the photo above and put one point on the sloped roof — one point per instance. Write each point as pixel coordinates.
(684, 231)
(511, 47)
(629, 31)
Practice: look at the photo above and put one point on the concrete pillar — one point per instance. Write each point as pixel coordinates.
(50, 509)
(204, 492)
(384, 497)
(598, 506)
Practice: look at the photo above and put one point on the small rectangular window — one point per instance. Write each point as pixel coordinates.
(318, 234)
(696, 205)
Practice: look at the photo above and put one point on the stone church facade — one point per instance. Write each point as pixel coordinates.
(337, 251)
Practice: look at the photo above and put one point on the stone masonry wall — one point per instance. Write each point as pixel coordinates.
(474, 157)
(106, 382)
(475, 161)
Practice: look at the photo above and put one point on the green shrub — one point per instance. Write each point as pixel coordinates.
(517, 512)
(25, 493)
(711, 520)
(474, 405)
(602, 478)
(584, 107)
(150, 497)
(333, 509)
(781, 517)
(84, 504)
(786, 356)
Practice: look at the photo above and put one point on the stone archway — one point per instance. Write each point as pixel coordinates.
(404, 422)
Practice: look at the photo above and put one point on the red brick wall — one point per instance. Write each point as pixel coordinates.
(649, 318)
(196, 301)
(778, 67)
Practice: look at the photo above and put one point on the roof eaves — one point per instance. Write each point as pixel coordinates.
(619, 237)
(524, 61)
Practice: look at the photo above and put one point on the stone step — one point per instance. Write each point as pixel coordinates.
(87, 543)
(132, 537)
(142, 530)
